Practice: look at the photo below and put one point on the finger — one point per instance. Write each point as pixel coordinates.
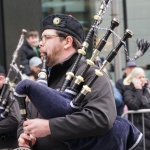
(25, 136)
(33, 139)
(23, 140)
(145, 81)
(26, 131)
(26, 128)
(27, 122)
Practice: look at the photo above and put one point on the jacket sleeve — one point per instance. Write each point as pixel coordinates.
(96, 118)
(133, 99)
(117, 95)
(12, 120)
(24, 61)
(20, 128)
(119, 85)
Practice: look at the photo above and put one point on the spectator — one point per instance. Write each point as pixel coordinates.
(118, 99)
(117, 95)
(137, 96)
(119, 84)
(129, 66)
(29, 49)
(35, 66)
(8, 126)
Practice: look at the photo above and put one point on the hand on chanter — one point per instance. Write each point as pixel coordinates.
(37, 127)
(24, 139)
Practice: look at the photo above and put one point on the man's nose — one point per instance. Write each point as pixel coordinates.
(40, 44)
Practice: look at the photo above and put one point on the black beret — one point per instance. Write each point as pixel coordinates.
(2, 71)
(66, 24)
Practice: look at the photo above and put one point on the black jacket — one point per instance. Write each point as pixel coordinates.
(26, 53)
(120, 86)
(8, 127)
(96, 118)
(139, 99)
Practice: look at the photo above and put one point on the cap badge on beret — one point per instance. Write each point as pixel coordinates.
(56, 21)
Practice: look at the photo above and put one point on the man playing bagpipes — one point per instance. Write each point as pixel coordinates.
(61, 38)
(8, 123)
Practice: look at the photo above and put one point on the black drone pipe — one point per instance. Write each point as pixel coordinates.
(87, 88)
(82, 52)
(96, 52)
(15, 55)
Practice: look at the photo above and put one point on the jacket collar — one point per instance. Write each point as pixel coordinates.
(58, 72)
(65, 64)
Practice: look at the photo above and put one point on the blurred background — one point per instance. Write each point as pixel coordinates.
(26, 14)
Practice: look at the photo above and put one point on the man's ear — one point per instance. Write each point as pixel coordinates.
(68, 42)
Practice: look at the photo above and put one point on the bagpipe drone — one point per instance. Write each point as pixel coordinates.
(8, 88)
(123, 135)
(7, 95)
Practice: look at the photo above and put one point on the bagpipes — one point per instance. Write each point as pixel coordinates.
(123, 135)
(59, 104)
(8, 88)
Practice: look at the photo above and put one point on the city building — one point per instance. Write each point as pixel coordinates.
(16, 15)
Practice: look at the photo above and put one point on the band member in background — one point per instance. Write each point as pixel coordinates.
(61, 38)
(35, 66)
(9, 125)
(29, 49)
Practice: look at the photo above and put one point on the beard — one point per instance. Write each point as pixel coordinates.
(54, 58)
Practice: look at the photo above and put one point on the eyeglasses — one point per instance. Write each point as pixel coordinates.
(45, 37)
